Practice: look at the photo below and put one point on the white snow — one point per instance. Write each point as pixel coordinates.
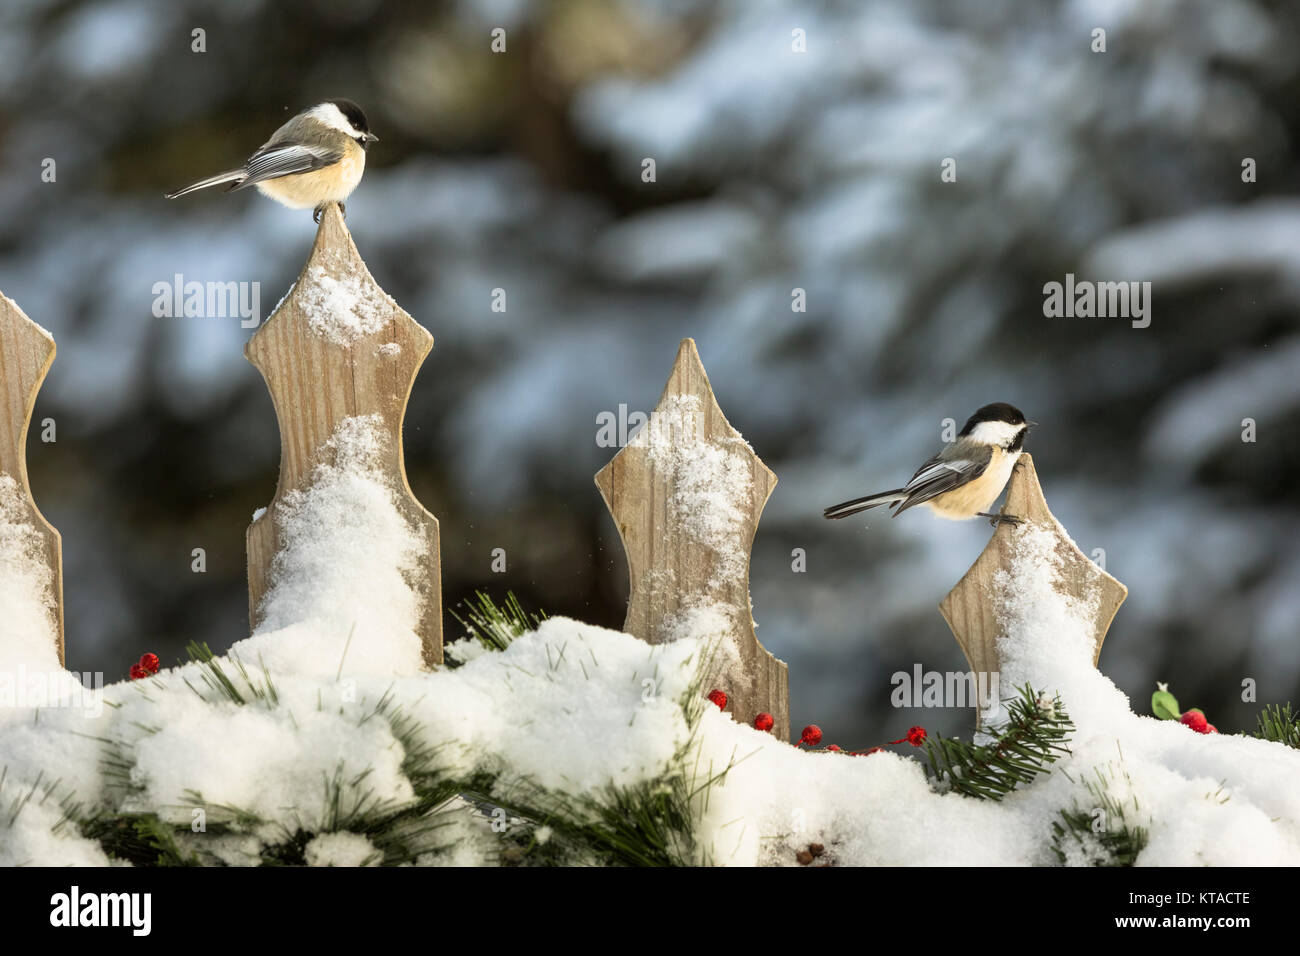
(340, 594)
(341, 849)
(27, 626)
(30, 674)
(259, 760)
(343, 308)
(575, 708)
(712, 483)
(711, 479)
(34, 837)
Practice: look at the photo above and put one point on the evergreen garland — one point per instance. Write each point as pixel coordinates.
(652, 823)
(1034, 735)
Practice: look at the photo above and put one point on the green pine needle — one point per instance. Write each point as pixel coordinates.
(1279, 725)
(493, 626)
(1104, 832)
(215, 676)
(1034, 736)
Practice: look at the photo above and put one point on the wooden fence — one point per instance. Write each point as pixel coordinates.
(688, 550)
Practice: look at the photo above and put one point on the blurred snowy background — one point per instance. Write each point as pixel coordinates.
(776, 170)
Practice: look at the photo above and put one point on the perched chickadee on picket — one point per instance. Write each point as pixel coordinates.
(964, 479)
(314, 159)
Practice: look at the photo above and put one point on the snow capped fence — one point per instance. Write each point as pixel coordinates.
(686, 493)
(338, 348)
(984, 601)
(340, 357)
(26, 354)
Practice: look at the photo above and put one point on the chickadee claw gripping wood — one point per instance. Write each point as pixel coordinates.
(995, 520)
(315, 159)
(964, 479)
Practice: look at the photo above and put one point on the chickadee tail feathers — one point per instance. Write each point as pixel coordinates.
(233, 176)
(846, 508)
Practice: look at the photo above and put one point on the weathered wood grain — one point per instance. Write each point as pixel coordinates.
(970, 607)
(687, 553)
(318, 377)
(26, 354)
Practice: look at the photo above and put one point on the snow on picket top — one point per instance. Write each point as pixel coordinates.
(576, 708)
(345, 307)
(712, 487)
(711, 481)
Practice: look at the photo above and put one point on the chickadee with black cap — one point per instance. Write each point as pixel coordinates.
(964, 479)
(314, 159)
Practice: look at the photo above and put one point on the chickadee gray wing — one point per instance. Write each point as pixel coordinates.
(953, 467)
(272, 162)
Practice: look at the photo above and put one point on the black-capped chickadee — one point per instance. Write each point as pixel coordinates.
(315, 158)
(964, 479)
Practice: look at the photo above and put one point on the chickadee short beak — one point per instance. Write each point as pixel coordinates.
(1030, 424)
(371, 138)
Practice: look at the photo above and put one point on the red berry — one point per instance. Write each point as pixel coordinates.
(873, 750)
(834, 748)
(811, 735)
(764, 722)
(137, 672)
(1195, 720)
(150, 663)
(1211, 729)
(719, 698)
(915, 737)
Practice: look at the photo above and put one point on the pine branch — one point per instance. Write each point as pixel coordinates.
(650, 823)
(19, 796)
(495, 627)
(1103, 833)
(653, 822)
(215, 676)
(1279, 725)
(1033, 736)
(141, 839)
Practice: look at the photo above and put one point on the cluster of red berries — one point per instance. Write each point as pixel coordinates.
(147, 667)
(812, 734)
(1196, 720)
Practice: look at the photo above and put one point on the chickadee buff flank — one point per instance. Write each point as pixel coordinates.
(314, 159)
(964, 479)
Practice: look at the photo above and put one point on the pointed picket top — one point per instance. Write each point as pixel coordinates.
(970, 607)
(26, 354)
(338, 346)
(686, 493)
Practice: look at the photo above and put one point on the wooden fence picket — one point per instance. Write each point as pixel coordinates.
(686, 492)
(26, 354)
(336, 347)
(687, 550)
(971, 606)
